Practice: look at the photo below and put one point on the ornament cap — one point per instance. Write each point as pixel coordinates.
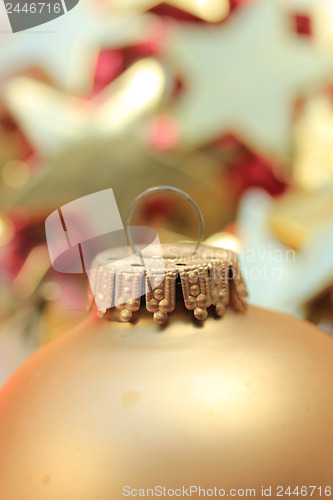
(208, 277)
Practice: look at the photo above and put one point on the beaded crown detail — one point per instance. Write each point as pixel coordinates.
(210, 277)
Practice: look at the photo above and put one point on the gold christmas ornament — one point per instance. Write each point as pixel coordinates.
(113, 408)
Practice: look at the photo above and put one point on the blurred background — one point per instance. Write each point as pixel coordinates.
(229, 100)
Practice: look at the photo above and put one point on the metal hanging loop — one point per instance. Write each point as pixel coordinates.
(165, 188)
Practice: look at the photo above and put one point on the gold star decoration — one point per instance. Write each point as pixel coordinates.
(313, 163)
(52, 120)
(207, 10)
(244, 77)
(67, 49)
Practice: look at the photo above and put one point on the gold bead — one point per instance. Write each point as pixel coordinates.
(158, 294)
(160, 318)
(191, 303)
(132, 305)
(203, 300)
(200, 314)
(193, 277)
(165, 306)
(195, 290)
(152, 306)
(126, 315)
